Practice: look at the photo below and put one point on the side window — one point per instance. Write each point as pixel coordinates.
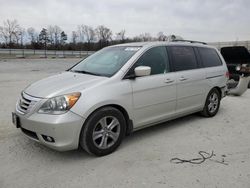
(156, 58)
(209, 57)
(183, 58)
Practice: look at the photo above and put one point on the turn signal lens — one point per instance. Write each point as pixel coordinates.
(72, 98)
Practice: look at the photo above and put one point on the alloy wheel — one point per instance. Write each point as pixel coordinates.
(213, 102)
(106, 132)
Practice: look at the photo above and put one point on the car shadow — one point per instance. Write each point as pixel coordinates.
(79, 154)
(159, 128)
(41, 151)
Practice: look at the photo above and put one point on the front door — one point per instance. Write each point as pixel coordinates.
(154, 96)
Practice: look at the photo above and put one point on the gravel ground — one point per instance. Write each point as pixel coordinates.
(143, 160)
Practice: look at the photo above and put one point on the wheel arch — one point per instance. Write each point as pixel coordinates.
(129, 121)
(208, 91)
(218, 89)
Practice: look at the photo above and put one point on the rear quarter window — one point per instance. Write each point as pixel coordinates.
(210, 57)
(183, 58)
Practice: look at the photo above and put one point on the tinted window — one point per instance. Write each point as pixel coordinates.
(183, 58)
(209, 57)
(156, 58)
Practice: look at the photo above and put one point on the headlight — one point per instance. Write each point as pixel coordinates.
(59, 104)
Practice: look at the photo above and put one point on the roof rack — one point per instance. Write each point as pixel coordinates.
(191, 41)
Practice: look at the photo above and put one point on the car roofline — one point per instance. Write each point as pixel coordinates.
(155, 43)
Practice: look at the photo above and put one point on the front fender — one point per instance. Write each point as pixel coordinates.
(119, 93)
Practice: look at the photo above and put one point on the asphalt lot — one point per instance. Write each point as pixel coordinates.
(143, 160)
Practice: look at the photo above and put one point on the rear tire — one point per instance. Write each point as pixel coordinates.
(103, 131)
(212, 104)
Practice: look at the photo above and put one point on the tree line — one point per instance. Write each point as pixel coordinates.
(85, 37)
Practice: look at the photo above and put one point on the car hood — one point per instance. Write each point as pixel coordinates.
(62, 83)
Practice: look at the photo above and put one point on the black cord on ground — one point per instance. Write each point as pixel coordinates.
(204, 156)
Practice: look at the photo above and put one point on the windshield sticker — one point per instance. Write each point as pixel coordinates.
(134, 49)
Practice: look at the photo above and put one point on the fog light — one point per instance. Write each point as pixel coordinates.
(48, 138)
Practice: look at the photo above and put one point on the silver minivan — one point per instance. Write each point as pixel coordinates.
(121, 89)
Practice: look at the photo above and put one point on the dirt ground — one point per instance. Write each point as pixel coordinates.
(143, 160)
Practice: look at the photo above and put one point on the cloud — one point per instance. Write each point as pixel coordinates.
(207, 20)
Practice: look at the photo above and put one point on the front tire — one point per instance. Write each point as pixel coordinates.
(103, 131)
(212, 104)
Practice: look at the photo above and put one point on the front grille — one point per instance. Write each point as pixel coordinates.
(26, 102)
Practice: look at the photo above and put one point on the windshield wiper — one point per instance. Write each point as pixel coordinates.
(85, 72)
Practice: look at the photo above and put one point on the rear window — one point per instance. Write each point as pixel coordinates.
(209, 57)
(183, 58)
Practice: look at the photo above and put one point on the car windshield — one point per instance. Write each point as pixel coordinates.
(106, 62)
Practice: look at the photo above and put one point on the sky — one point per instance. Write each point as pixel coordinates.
(203, 20)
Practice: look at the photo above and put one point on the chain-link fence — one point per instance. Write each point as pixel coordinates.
(26, 53)
(29, 53)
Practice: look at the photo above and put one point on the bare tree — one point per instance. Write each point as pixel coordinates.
(54, 33)
(74, 37)
(87, 33)
(161, 36)
(121, 35)
(137, 39)
(9, 31)
(19, 36)
(80, 33)
(103, 33)
(4, 35)
(80, 37)
(32, 35)
(51, 35)
(58, 31)
(146, 37)
(22, 34)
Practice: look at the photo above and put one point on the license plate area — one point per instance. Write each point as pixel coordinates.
(16, 120)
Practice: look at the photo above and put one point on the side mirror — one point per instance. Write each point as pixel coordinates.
(142, 71)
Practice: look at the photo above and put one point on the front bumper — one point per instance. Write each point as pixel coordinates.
(64, 129)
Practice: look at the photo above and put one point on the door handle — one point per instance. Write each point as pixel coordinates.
(183, 78)
(168, 80)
